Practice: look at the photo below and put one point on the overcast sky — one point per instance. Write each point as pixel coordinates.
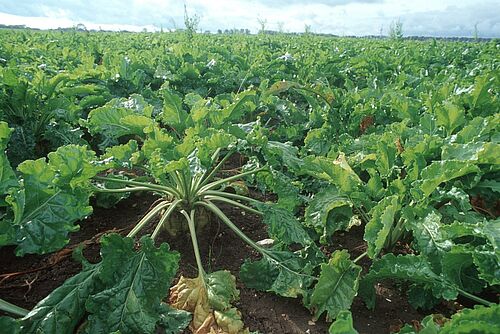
(341, 17)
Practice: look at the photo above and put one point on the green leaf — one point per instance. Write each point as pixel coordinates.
(343, 324)
(284, 273)
(411, 268)
(427, 326)
(282, 154)
(242, 104)
(329, 212)
(43, 213)
(337, 286)
(428, 234)
(7, 176)
(377, 230)
(494, 185)
(9, 325)
(479, 129)
(482, 153)
(73, 166)
(487, 264)
(480, 320)
(173, 114)
(386, 156)
(283, 226)
(458, 267)
(221, 289)
(121, 156)
(118, 118)
(136, 282)
(337, 172)
(450, 116)
(63, 309)
(442, 171)
(173, 321)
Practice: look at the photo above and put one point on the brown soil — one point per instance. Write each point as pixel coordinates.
(264, 312)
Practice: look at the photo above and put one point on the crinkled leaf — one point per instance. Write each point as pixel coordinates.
(442, 171)
(43, 213)
(73, 165)
(221, 289)
(337, 286)
(173, 114)
(173, 321)
(329, 211)
(62, 310)
(337, 172)
(377, 230)
(410, 268)
(481, 319)
(135, 281)
(479, 152)
(428, 235)
(9, 325)
(450, 116)
(343, 324)
(210, 303)
(488, 264)
(283, 226)
(120, 156)
(285, 273)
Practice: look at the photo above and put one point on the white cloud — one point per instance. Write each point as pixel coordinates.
(342, 17)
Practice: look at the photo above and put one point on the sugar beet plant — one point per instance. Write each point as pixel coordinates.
(124, 291)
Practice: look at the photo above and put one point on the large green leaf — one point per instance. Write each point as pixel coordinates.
(410, 268)
(43, 213)
(443, 171)
(73, 165)
(63, 309)
(458, 267)
(283, 226)
(479, 152)
(337, 286)
(336, 171)
(285, 273)
(480, 320)
(118, 118)
(329, 211)
(135, 284)
(450, 116)
(428, 235)
(173, 114)
(7, 176)
(221, 289)
(377, 230)
(343, 324)
(242, 104)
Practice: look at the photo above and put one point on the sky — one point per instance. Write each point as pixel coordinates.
(441, 18)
